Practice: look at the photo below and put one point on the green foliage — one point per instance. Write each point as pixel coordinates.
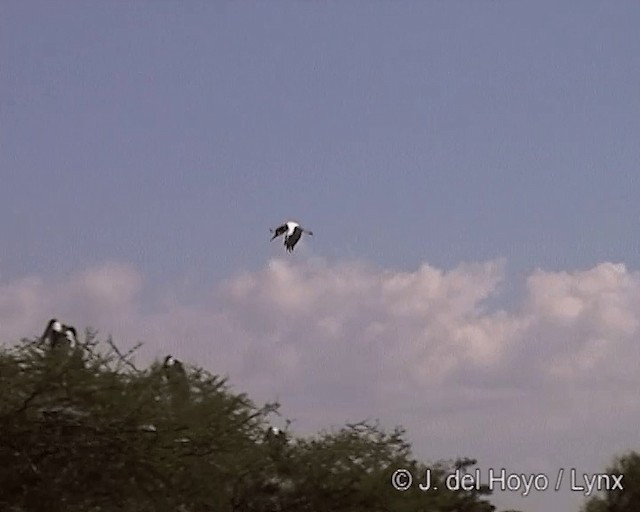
(84, 430)
(614, 499)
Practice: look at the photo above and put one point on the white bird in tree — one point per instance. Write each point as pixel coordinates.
(173, 367)
(292, 232)
(176, 377)
(57, 332)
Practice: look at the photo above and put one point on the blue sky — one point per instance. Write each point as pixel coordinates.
(456, 131)
(169, 136)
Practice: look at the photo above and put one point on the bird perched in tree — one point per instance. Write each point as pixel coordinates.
(176, 378)
(292, 232)
(276, 441)
(57, 333)
(276, 436)
(173, 367)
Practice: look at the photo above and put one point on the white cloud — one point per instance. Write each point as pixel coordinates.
(347, 340)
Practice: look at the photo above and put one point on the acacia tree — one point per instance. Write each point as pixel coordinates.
(615, 499)
(85, 430)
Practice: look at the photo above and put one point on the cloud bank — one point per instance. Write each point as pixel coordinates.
(551, 383)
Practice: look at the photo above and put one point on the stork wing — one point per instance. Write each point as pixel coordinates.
(280, 230)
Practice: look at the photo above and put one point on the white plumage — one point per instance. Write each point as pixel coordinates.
(291, 226)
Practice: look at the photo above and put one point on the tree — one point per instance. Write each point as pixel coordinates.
(614, 499)
(78, 432)
(85, 430)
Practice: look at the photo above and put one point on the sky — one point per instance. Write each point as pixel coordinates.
(469, 169)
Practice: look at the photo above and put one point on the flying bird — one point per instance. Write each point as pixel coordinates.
(292, 232)
(57, 332)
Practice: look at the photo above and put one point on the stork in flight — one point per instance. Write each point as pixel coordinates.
(57, 332)
(292, 232)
